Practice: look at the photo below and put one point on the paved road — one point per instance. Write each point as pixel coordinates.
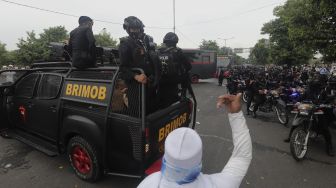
(272, 165)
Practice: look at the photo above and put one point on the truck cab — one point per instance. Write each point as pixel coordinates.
(93, 116)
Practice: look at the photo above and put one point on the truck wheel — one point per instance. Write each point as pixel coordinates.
(83, 158)
(194, 79)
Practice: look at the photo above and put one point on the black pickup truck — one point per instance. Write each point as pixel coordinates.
(89, 115)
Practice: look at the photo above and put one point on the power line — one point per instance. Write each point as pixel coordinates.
(186, 37)
(71, 15)
(228, 17)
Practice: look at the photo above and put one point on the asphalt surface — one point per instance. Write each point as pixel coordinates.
(272, 164)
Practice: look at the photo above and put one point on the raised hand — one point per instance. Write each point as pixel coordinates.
(231, 102)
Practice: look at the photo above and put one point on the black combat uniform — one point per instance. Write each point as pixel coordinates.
(175, 67)
(82, 44)
(134, 53)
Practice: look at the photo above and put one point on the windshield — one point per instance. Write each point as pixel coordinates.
(10, 77)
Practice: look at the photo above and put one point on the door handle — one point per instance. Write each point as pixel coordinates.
(53, 108)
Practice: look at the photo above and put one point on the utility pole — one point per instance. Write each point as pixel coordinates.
(174, 14)
(226, 40)
(225, 43)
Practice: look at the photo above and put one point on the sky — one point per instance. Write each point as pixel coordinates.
(240, 20)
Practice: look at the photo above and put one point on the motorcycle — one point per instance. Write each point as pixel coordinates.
(291, 96)
(305, 126)
(273, 103)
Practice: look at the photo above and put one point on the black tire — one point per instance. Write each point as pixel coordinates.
(87, 166)
(297, 147)
(282, 114)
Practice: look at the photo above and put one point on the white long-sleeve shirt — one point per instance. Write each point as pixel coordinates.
(233, 172)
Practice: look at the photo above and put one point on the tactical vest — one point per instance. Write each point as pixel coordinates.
(172, 68)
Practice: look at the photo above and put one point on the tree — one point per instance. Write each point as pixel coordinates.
(283, 49)
(225, 51)
(260, 53)
(104, 39)
(312, 23)
(54, 34)
(3, 54)
(31, 49)
(209, 45)
(34, 49)
(237, 60)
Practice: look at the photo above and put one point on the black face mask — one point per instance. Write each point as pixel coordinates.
(136, 35)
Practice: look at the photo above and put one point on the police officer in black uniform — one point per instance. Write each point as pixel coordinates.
(135, 52)
(250, 85)
(175, 67)
(259, 96)
(319, 94)
(220, 76)
(82, 44)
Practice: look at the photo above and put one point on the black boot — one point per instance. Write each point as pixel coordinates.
(287, 140)
(254, 114)
(4, 134)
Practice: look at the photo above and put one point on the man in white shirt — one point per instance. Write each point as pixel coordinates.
(182, 161)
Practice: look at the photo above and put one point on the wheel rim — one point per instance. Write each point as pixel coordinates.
(251, 107)
(281, 115)
(194, 79)
(244, 97)
(300, 148)
(81, 160)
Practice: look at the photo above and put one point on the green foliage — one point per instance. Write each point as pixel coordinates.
(6, 57)
(34, 49)
(225, 51)
(54, 34)
(31, 49)
(283, 49)
(260, 53)
(209, 45)
(312, 23)
(3, 54)
(237, 60)
(104, 39)
(302, 28)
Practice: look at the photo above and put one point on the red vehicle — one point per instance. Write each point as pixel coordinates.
(204, 63)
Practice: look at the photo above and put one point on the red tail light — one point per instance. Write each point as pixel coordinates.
(147, 133)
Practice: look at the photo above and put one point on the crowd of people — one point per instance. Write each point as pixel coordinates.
(317, 83)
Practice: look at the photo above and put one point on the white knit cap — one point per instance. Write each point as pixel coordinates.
(183, 148)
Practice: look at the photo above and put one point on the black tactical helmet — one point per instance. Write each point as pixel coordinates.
(84, 19)
(170, 38)
(133, 22)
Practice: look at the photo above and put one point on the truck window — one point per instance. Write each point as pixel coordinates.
(25, 88)
(49, 86)
(206, 59)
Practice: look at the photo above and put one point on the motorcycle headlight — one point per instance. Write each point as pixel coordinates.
(305, 107)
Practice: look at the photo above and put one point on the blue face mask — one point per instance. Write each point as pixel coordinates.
(180, 175)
